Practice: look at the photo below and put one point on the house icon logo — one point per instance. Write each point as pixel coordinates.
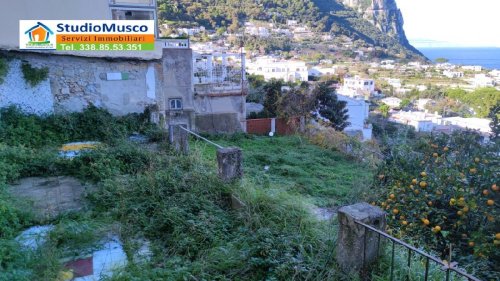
(37, 36)
(39, 33)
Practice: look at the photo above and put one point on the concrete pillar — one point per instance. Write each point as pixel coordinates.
(178, 138)
(352, 237)
(230, 163)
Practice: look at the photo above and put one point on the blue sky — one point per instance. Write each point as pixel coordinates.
(451, 23)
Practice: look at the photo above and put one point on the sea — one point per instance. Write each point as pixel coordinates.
(486, 57)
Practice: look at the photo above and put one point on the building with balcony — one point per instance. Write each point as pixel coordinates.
(357, 86)
(274, 68)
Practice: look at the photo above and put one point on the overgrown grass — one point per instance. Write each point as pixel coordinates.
(298, 167)
(178, 203)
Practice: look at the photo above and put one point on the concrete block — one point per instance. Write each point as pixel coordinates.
(179, 138)
(351, 238)
(230, 163)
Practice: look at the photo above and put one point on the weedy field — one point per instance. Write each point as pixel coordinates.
(174, 201)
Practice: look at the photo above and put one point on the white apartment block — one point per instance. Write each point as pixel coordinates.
(357, 86)
(273, 68)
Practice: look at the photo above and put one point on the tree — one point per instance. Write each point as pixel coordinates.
(295, 102)
(441, 60)
(384, 110)
(329, 107)
(495, 124)
(272, 91)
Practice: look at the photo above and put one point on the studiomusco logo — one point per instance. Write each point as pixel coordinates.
(39, 37)
(82, 35)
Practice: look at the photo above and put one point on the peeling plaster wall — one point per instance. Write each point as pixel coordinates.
(16, 91)
(76, 82)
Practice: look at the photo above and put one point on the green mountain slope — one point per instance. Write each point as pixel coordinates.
(382, 28)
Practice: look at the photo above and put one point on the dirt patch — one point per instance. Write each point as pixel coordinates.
(324, 214)
(51, 196)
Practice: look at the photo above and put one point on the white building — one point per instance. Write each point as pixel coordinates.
(396, 83)
(453, 74)
(357, 86)
(392, 102)
(480, 124)
(259, 31)
(287, 70)
(421, 103)
(421, 121)
(481, 80)
(318, 71)
(191, 31)
(476, 68)
(358, 110)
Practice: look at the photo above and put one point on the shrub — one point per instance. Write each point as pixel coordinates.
(443, 190)
(34, 75)
(4, 69)
(93, 124)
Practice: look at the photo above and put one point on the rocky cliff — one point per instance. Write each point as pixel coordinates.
(384, 14)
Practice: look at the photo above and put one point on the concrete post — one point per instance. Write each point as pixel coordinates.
(351, 238)
(178, 138)
(230, 163)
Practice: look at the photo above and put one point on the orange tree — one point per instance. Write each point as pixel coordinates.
(443, 190)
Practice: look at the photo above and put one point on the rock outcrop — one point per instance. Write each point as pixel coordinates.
(384, 14)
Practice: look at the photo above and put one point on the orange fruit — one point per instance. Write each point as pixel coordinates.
(429, 203)
(445, 148)
(477, 159)
(423, 184)
(497, 236)
(452, 201)
(395, 211)
(404, 223)
(423, 174)
(494, 187)
(435, 154)
(416, 191)
(460, 213)
(473, 170)
(496, 242)
(490, 202)
(414, 181)
(490, 218)
(465, 209)
(383, 204)
(486, 192)
(392, 196)
(471, 244)
(439, 192)
(436, 229)
(426, 221)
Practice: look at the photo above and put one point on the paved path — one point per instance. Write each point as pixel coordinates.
(50, 196)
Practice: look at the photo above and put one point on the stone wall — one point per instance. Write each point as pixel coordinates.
(16, 91)
(120, 86)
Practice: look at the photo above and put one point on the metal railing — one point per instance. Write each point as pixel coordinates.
(447, 267)
(171, 136)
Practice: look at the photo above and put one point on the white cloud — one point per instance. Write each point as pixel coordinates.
(455, 22)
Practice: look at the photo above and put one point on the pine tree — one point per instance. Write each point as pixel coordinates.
(329, 107)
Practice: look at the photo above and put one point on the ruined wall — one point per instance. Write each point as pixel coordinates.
(177, 83)
(120, 86)
(16, 91)
(220, 106)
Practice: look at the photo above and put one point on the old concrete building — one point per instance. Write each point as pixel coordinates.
(121, 81)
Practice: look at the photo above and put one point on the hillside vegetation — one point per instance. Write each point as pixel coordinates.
(320, 15)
